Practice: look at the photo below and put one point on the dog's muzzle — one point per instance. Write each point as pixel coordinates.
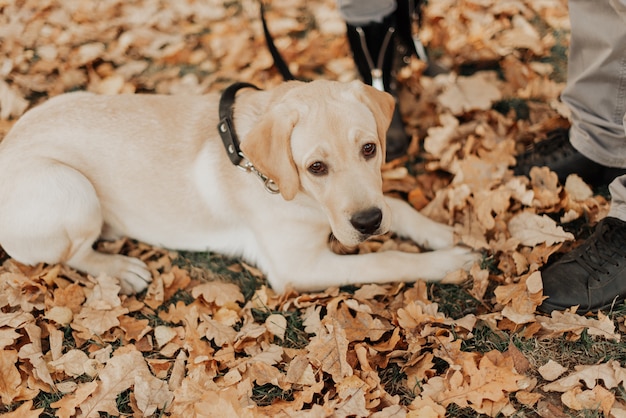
(367, 221)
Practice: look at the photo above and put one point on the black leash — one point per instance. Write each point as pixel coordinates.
(279, 61)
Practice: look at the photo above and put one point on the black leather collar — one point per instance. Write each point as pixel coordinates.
(226, 126)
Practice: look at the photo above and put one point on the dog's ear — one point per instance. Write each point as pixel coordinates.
(268, 147)
(380, 103)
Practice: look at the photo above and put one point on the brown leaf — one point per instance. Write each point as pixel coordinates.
(328, 351)
(118, 375)
(561, 322)
(75, 363)
(352, 392)
(12, 104)
(476, 92)
(66, 406)
(220, 293)
(596, 398)
(10, 378)
(300, 371)
(151, 393)
(551, 370)
(24, 411)
(532, 229)
(610, 373)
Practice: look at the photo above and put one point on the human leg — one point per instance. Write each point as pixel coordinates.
(370, 29)
(595, 146)
(593, 275)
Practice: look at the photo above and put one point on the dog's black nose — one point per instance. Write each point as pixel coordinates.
(367, 221)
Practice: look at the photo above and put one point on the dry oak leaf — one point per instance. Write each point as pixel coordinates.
(476, 92)
(276, 324)
(118, 375)
(220, 293)
(358, 325)
(566, 321)
(392, 411)
(491, 203)
(8, 337)
(262, 373)
(164, 334)
(33, 352)
(522, 35)
(328, 350)
(352, 392)
(577, 189)
(528, 398)
(492, 378)
(417, 313)
(10, 378)
(62, 315)
(300, 371)
(151, 393)
(610, 373)
(75, 363)
(424, 407)
(521, 299)
(551, 370)
(217, 332)
(12, 104)
(532, 229)
(439, 138)
(66, 406)
(24, 411)
(545, 184)
(105, 294)
(594, 399)
(134, 329)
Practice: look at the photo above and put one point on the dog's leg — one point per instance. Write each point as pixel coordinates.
(50, 213)
(408, 222)
(326, 268)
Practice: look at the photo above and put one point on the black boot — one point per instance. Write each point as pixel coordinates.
(373, 51)
(592, 276)
(557, 153)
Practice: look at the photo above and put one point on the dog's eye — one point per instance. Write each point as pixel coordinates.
(318, 168)
(369, 150)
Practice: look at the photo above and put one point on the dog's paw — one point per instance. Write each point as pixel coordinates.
(458, 258)
(464, 257)
(133, 273)
(435, 236)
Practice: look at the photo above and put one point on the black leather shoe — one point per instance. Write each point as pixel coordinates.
(593, 275)
(397, 139)
(558, 154)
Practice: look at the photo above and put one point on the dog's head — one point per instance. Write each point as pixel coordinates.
(327, 139)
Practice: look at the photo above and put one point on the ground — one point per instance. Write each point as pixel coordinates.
(210, 338)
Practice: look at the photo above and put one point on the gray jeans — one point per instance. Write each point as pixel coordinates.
(362, 12)
(596, 79)
(596, 87)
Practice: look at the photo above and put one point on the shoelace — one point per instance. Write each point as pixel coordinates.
(611, 242)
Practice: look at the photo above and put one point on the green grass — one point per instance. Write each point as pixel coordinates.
(206, 266)
(295, 337)
(394, 381)
(264, 395)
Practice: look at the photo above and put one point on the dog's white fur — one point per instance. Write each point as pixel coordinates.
(152, 167)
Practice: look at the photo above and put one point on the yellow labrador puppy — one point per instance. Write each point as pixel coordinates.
(156, 168)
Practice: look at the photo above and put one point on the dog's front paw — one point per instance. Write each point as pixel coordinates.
(460, 258)
(436, 236)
